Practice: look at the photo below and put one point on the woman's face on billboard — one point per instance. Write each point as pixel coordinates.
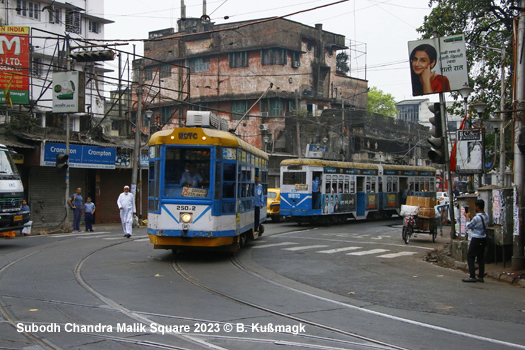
(421, 62)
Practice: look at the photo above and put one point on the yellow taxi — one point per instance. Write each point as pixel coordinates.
(273, 205)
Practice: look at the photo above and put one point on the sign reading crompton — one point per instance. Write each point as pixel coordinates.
(14, 64)
(438, 65)
(80, 156)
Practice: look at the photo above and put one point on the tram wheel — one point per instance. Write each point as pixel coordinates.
(242, 240)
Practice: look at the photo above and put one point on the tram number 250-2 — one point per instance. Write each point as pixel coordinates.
(186, 207)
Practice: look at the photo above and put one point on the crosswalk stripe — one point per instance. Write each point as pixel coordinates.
(337, 250)
(306, 247)
(141, 240)
(367, 252)
(272, 245)
(395, 255)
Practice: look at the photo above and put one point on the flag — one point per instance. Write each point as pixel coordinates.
(453, 152)
(7, 95)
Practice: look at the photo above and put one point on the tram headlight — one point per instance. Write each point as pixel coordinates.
(186, 217)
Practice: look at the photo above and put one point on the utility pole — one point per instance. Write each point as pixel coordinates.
(518, 258)
(138, 131)
(68, 68)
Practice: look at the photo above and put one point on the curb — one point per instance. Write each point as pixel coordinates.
(513, 278)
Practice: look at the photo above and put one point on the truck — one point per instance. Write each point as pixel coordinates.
(12, 218)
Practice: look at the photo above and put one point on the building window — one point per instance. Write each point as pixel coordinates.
(94, 27)
(165, 70)
(200, 64)
(274, 107)
(73, 22)
(273, 57)
(28, 9)
(148, 73)
(165, 114)
(238, 59)
(37, 67)
(55, 16)
(238, 109)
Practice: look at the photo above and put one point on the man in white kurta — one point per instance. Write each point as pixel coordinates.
(126, 204)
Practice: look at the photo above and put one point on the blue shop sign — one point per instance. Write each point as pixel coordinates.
(81, 156)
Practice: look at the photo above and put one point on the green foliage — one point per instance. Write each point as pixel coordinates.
(485, 23)
(381, 103)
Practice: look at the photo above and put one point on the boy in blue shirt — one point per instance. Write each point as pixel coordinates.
(89, 210)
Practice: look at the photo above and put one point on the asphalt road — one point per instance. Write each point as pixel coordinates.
(351, 286)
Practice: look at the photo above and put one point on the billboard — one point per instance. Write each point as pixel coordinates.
(469, 152)
(438, 64)
(14, 64)
(68, 92)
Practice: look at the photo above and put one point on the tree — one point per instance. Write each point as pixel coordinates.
(488, 26)
(381, 103)
(342, 67)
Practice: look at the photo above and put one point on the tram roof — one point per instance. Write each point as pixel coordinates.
(213, 138)
(333, 163)
(330, 163)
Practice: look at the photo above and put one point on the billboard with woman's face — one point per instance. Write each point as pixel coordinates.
(438, 65)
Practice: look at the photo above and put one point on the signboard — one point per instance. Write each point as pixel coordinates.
(80, 156)
(438, 64)
(469, 152)
(14, 64)
(68, 92)
(315, 151)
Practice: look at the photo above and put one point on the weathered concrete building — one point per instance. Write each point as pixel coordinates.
(254, 74)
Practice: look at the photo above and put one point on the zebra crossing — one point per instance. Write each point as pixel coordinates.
(351, 250)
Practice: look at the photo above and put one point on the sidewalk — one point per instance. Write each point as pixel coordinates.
(494, 271)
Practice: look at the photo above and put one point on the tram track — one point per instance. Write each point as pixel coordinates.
(372, 343)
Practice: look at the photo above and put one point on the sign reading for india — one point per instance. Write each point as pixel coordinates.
(14, 64)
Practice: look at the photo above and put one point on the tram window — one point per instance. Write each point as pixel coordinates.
(347, 184)
(185, 166)
(389, 184)
(361, 184)
(394, 185)
(432, 185)
(229, 172)
(294, 178)
(218, 180)
(228, 190)
(427, 184)
(352, 186)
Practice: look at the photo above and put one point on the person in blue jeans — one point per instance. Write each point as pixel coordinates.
(478, 242)
(89, 211)
(75, 202)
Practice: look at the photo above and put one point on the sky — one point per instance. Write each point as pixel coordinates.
(377, 31)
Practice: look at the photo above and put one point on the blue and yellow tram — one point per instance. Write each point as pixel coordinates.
(330, 192)
(201, 188)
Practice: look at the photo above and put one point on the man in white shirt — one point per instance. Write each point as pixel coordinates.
(126, 204)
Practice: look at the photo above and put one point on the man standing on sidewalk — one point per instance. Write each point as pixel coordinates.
(75, 202)
(478, 242)
(126, 204)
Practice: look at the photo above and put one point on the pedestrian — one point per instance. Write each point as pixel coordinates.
(126, 204)
(89, 211)
(258, 203)
(75, 202)
(26, 230)
(478, 242)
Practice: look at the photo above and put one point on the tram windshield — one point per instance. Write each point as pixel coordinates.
(187, 172)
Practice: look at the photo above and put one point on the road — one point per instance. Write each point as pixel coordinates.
(351, 286)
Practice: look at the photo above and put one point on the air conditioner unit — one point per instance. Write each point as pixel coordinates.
(263, 127)
(296, 64)
(264, 114)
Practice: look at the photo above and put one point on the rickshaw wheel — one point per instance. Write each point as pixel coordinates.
(407, 232)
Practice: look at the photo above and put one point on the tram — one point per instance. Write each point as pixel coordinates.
(201, 186)
(330, 192)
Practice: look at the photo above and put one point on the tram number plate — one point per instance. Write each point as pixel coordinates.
(18, 218)
(186, 207)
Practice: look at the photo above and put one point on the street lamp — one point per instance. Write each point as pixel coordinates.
(465, 91)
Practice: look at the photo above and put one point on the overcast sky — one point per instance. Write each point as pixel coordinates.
(381, 28)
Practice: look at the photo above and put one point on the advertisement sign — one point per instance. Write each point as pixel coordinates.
(469, 152)
(68, 92)
(80, 156)
(14, 64)
(438, 64)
